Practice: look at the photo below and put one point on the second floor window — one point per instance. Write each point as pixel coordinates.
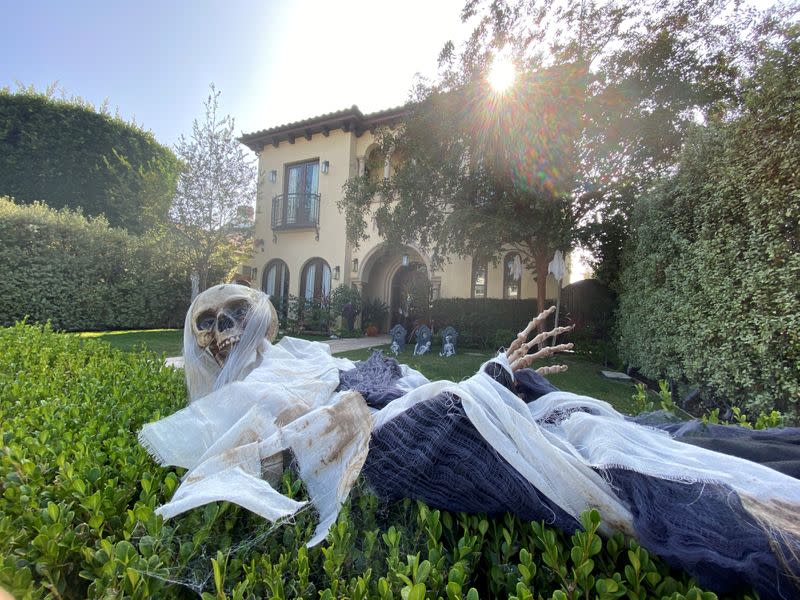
(302, 183)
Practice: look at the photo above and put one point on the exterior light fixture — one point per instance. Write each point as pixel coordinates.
(273, 176)
(355, 265)
(336, 272)
(326, 165)
(405, 260)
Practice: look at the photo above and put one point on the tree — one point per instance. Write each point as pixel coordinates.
(215, 193)
(64, 152)
(605, 95)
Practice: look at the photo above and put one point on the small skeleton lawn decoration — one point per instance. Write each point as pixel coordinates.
(504, 440)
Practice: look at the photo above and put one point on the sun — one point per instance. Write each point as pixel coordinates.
(502, 73)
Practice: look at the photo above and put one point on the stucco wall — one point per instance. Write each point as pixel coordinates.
(296, 247)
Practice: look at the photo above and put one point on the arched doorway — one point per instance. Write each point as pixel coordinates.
(410, 295)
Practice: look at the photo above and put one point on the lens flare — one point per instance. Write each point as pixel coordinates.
(502, 73)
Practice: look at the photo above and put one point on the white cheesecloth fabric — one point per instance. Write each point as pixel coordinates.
(289, 403)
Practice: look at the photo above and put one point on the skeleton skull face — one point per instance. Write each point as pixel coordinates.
(219, 316)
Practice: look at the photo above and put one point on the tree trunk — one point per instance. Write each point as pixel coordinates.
(542, 264)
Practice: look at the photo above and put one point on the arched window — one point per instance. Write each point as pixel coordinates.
(275, 283)
(480, 270)
(315, 282)
(512, 276)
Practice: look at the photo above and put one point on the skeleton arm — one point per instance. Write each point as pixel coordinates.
(517, 352)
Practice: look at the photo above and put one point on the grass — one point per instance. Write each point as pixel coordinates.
(583, 376)
(167, 341)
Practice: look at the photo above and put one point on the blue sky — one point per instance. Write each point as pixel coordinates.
(274, 61)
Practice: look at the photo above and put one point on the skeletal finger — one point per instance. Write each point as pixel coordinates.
(550, 334)
(523, 349)
(551, 370)
(523, 335)
(526, 360)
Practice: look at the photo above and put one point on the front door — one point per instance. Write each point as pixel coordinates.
(410, 296)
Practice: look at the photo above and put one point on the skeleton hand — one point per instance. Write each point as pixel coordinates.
(517, 352)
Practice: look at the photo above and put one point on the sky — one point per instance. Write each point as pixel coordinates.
(275, 61)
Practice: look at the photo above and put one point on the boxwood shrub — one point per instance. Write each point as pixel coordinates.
(77, 500)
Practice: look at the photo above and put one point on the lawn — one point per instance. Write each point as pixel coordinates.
(166, 341)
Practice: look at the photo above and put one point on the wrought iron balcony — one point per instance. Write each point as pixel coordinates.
(295, 211)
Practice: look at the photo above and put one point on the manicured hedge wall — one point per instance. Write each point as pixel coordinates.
(83, 275)
(478, 320)
(711, 292)
(68, 155)
(79, 493)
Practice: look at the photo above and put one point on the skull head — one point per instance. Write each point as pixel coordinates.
(219, 317)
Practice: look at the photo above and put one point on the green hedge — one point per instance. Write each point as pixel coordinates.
(478, 320)
(83, 275)
(67, 155)
(78, 496)
(711, 292)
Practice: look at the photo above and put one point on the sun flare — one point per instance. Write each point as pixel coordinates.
(502, 73)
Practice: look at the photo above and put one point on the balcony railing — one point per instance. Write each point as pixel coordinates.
(295, 211)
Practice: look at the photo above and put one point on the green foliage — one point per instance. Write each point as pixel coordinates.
(345, 294)
(78, 498)
(710, 291)
(67, 155)
(374, 312)
(299, 315)
(478, 320)
(81, 274)
(211, 211)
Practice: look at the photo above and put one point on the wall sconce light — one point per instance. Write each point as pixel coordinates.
(326, 165)
(405, 260)
(273, 176)
(355, 265)
(336, 273)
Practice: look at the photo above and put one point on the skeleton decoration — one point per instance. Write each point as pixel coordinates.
(224, 334)
(423, 337)
(504, 440)
(449, 339)
(398, 333)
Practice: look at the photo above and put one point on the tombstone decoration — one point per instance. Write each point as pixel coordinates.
(449, 339)
(398, 333)
(424, 335)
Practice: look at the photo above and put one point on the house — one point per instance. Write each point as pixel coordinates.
(300, 246)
